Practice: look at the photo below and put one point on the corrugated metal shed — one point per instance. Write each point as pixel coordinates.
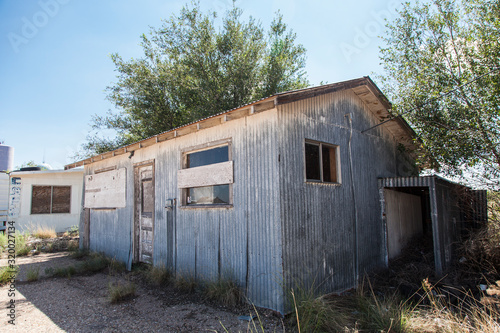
(453, 208)
(279, 230)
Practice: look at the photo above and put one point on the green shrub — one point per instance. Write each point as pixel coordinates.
(120, 292)
(73, 231)
(68, 271)
(7, 274)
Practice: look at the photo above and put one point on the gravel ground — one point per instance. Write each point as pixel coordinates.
(80, 304)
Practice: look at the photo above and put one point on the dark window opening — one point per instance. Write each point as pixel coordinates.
(321, 162)
(206, 157)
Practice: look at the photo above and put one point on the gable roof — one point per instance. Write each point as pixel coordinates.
(363, 87)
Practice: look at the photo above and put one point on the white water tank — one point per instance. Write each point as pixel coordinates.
(6, 158)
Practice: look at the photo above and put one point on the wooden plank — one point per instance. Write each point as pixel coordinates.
(210, 122)
(106, 190)
(133, 147)
(264, 106)
(148, 142)
(119, 151)
(207, 175)
(187, 130)
(165, 136)
(237, 114)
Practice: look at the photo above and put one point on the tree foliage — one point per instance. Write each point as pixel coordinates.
(192, 69)
(442, 71)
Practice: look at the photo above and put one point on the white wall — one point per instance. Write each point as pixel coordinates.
(60, 222)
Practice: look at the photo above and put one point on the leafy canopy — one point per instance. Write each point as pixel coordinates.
(191, 69)
(442, 64)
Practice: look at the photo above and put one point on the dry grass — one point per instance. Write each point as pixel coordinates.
(186, 283)
(32, 274)
(44, 232)
(427, 306)
(120, 292)
(224, 291)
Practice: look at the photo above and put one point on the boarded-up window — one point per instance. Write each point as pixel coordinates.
(50, 199)
(207, 176)
(322, 162)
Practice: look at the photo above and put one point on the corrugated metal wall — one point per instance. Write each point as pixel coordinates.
(243, 242)
(453, 208)
(332, 234)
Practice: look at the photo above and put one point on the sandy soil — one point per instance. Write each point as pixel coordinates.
(81, 304)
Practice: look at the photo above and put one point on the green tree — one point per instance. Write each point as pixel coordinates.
(191, 69)
(441, 64)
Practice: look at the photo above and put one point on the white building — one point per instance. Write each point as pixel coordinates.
(45, 198)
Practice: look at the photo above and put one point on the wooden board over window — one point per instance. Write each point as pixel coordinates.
(106, 189)
(50, 199)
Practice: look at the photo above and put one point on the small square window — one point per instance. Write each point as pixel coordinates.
(322, 162)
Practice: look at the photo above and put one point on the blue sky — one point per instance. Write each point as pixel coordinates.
(55, 64)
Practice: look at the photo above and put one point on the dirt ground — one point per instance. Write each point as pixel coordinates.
(81, 304)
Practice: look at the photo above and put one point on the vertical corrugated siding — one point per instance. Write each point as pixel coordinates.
(242, 242)
(452, 208)
(330, 232)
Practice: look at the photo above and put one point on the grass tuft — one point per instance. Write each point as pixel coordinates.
(116, 266)
(32, 274)
(79, 254)
(8, 274)
(96, 263)
(120, 292)
(224, 291)
(158, 275)
(44, 232)
(186, 283)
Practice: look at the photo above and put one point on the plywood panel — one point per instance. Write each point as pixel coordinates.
(106, 190)
(207, 175)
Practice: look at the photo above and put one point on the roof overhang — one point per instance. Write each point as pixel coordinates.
(363, 87)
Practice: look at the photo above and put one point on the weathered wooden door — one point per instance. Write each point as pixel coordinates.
(144, 212)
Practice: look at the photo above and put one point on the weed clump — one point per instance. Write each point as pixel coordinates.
(8, 274)
(158, 275)
(44, 232)
(186, 283)
(120, 292)
(224, 291)
(32, 274)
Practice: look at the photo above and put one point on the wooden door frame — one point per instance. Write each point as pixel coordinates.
(137, 189)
